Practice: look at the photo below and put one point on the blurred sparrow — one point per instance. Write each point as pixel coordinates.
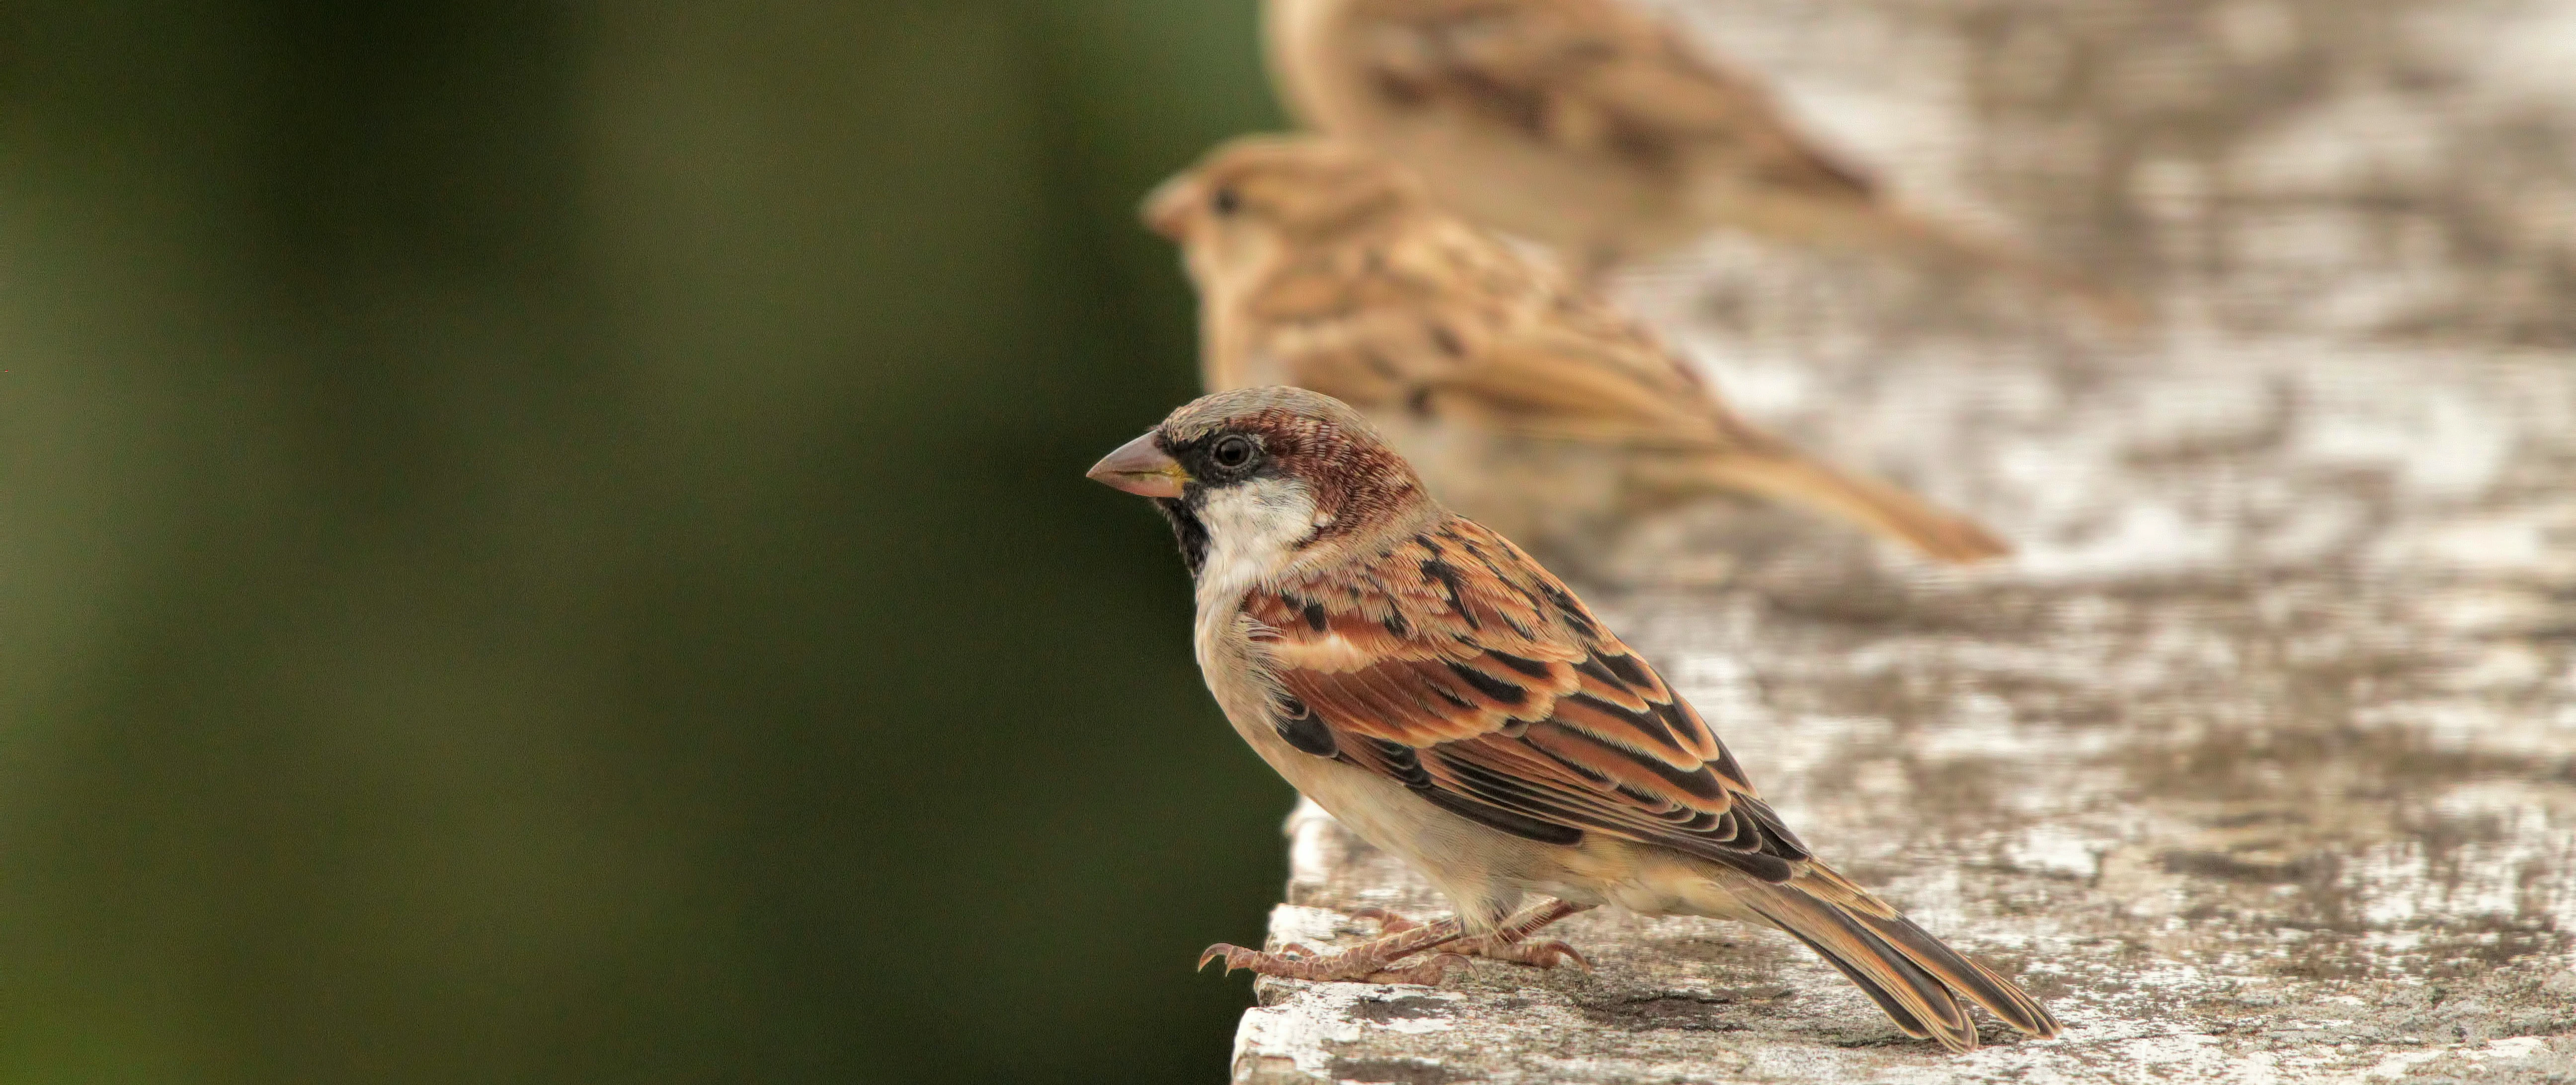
(1529, 402)
(1592, 127)
(1425, 681)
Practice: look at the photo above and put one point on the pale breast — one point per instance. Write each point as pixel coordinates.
(1483, 872)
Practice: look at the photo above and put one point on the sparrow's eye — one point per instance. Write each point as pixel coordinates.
(1233, 453)
(1225, 201)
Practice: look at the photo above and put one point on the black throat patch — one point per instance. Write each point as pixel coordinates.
(1187, 528)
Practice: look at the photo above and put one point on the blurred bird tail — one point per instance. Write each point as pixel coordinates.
(1912, 976)
(2110, 305)
(1789, 477)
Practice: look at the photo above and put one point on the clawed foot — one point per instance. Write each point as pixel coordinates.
(1547, 954)
(1378, 960)
(1497, 946)
(1357, 965)
(1374, 961)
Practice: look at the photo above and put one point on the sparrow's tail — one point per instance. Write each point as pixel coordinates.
(1861, 218)
(1910, 974)
(2107, 304)
(1787, 476)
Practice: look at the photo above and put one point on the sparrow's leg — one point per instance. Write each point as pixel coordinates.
(1510, 941)
(1372, 961)
(1507, 942)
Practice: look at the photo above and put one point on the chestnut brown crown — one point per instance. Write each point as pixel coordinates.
(1252, 434)
(1306, 436)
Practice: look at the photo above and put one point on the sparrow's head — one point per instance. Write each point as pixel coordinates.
(1255, 196)
(1258, 479)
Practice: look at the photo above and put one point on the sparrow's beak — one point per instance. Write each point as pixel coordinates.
(1169, 209)
(1141, 469)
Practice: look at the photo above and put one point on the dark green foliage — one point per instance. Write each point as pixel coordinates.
(548, 544)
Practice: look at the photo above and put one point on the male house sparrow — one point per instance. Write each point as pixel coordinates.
(1594, 128)
(1529, 402)
(1443, 696)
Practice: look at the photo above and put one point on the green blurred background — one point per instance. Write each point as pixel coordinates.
(548, 543)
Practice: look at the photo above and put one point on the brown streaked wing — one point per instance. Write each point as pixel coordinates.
(1555, 383)
(1370, 319)
(1461, 669)
(1592, 75)
(1511, 347)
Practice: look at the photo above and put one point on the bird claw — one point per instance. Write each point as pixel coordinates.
(1399, 938)
(1299, 962)
(1239, 957)
(1374, 961)
(1492, 947)
(1235, 957)
(1548, 954)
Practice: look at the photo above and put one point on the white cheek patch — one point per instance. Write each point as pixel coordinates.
(1254, 528)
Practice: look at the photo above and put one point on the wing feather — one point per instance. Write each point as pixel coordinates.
(1463, 671)
(1472, 329)
(1592, 76)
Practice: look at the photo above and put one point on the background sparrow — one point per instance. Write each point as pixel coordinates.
(1435, 689)
(1594, 128)
(1528, 402)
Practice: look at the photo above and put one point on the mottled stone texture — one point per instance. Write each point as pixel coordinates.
(2259, 761)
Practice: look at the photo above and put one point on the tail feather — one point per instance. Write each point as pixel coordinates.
(1915, 999)
(1913, 977)
(1896, 1010)
(2001, 997)
(1876, 505)
(1865, 221)
(2110, 306)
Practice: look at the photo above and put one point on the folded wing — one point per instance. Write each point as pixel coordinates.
(1441, 319)
(1462, 670)
(1591, 76)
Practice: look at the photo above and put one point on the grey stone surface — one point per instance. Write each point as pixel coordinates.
(2259, 761)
